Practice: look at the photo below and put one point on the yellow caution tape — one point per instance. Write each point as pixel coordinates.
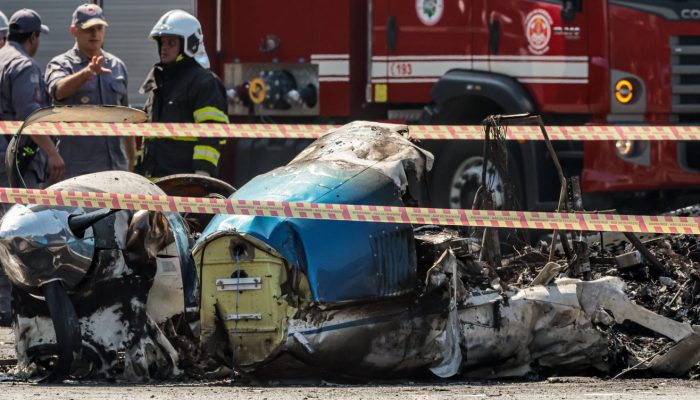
(311, 131)
(345, 212)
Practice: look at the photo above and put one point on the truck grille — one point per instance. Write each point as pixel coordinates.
(688, 155)
(685, 79)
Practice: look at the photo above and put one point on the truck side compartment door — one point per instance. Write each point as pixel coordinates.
(544, 45)
(416, 42)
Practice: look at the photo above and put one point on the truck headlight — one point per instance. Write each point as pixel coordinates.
(633, 150)
(625, 147)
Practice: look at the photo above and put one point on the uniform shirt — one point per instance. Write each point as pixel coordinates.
(84, 155)
(183, 92)
(22, 90)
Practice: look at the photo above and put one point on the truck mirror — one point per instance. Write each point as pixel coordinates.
(569, 9)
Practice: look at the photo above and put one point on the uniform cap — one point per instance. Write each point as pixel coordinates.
(88, 15)
(27, 21)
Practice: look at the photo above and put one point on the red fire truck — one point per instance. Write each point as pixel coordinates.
(456, 61)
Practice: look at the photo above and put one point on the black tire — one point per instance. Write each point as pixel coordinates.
(66, 327)
(451, 157)
(452, 162)
(446, 164)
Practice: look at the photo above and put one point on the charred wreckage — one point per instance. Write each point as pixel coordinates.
(136, 296)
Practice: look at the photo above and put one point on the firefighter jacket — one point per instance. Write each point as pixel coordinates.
(182, 92)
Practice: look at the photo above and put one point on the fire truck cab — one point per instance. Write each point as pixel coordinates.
(456, 61)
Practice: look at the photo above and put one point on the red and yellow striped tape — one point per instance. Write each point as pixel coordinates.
(309, 131)
(344, 212)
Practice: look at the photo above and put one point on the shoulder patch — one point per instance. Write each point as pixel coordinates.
(34, 78)
(38, 98)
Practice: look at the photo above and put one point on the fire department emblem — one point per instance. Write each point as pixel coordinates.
(429, 11)
(538, 31)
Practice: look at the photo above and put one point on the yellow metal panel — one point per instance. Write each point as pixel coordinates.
(252, 340)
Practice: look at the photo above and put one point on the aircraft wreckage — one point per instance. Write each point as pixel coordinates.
(130, 296)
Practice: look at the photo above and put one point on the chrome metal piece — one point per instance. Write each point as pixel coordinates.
(299, 337)
(631, 259)
(37, 246)
(239, 317)
(230, 284)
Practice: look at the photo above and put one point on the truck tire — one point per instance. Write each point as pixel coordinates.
(457, 176)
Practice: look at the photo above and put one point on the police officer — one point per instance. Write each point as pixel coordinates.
(4, 27)
(22, 90)
(182, 89)
(86, 74)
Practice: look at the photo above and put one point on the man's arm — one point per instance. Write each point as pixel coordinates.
(67, 85)
(56, 166)
(130, 149)
(28, 95)
(129, 141)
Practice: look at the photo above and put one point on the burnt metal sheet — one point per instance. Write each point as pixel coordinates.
(121, 336)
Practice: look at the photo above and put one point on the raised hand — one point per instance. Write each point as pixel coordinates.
(95, 66)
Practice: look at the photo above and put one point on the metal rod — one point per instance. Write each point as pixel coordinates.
(660, 268)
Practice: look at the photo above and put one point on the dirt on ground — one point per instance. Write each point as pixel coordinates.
(552, 388)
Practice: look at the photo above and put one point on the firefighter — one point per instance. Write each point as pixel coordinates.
(181, 88)
(86, 74)
(4, 27)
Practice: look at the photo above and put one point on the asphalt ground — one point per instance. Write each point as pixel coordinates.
(552, 388)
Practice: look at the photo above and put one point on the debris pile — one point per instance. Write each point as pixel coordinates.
(296, 297)
(673, 292)
(660, 272)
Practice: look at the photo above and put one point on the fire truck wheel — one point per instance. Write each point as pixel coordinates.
(456, 176)
(466, 180)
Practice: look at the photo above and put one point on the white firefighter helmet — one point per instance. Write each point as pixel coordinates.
(183, 24)
(4, 25)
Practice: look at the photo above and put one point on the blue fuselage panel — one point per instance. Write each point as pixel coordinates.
(343, 260)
